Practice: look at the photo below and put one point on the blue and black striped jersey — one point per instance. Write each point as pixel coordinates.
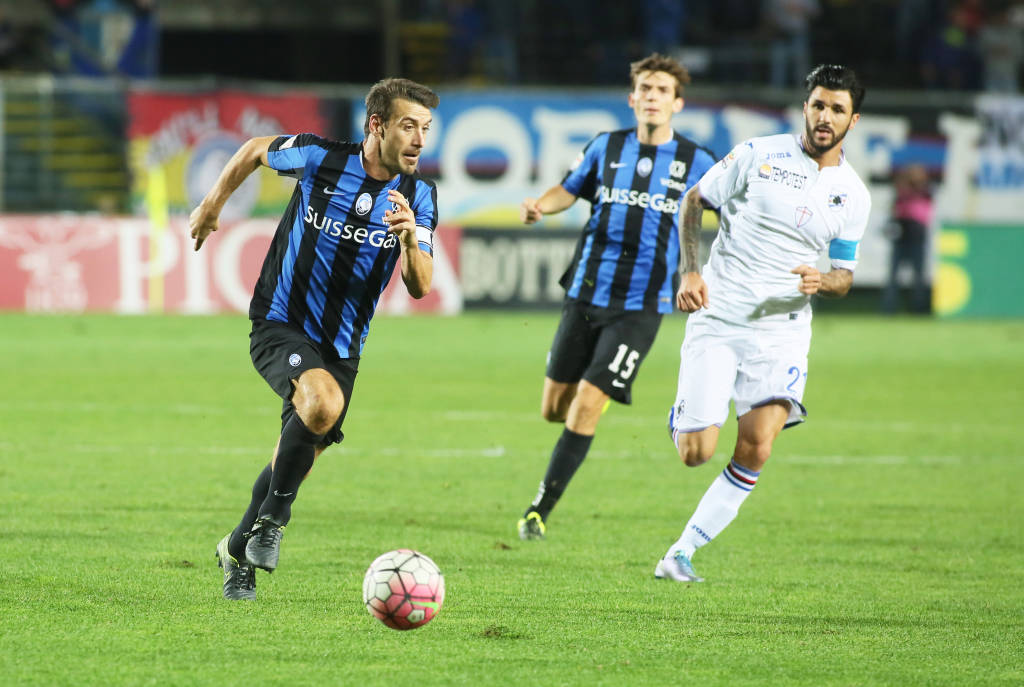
(628, 254)
(332, 254)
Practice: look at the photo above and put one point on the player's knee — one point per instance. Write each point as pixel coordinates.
(553, 415)
(694, 453)
(321, 417)
(753, 456)
(695, 447)
(553, 412)
(584, 414)
(693, 460)
(555, 409)
(319, 405)
(321, 412)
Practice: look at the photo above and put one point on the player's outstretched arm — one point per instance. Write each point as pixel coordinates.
(204, 220)
(836, 283)
(693, 291)
(417, 265)
(555, 200)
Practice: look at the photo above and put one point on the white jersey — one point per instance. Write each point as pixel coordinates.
(778, 211)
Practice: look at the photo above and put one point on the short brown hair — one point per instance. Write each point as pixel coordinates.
(383, 94)
(656, 62)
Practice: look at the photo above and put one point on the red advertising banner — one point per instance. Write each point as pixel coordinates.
(180, 142)
(66, 263)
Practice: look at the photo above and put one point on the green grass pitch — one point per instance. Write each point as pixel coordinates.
(881, 547)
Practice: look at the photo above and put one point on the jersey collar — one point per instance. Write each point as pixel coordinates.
(800, 144)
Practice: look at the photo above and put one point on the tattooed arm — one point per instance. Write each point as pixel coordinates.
(693, 292)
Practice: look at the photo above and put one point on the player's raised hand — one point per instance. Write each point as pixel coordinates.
(400, 219)
(810, 279)
(529, 211)
(202, 223)
(693, 293)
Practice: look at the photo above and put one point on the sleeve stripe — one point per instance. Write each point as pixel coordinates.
(841, 249)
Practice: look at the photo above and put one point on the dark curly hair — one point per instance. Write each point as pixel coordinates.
(836, 77)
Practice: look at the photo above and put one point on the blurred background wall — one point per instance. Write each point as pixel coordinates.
(117, 115)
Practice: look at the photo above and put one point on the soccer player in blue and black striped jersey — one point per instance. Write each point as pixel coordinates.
(623, 276)
(358, 209)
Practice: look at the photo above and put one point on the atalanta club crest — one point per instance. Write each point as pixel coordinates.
(363, 203)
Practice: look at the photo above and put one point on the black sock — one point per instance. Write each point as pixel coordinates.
(295, 456)
(567, 456)
(236, 544)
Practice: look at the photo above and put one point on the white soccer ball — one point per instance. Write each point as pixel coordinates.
(403, 589)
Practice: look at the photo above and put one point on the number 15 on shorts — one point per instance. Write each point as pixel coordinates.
(624, 363)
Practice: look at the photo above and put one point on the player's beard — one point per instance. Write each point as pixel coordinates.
(837, 138)
(392, 159)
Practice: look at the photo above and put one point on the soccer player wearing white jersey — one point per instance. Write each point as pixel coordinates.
(783, 201)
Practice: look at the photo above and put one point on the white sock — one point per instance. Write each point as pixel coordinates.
(717, 508)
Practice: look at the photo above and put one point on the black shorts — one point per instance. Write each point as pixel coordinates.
(282, 353)
(604, 347)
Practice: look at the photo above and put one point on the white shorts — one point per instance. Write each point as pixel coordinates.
(721, 361)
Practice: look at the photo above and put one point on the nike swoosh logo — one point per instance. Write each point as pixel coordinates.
(618, 385)
(616, 165)
(588, 282)
(332, 193)
(427, 604)
(277, 493)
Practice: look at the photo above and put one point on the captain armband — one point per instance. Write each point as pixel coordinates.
(841, 249)
(425, 238)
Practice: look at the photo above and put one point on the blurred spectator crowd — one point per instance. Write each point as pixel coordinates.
(80, 37)
(932, 44)
(935, 44)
